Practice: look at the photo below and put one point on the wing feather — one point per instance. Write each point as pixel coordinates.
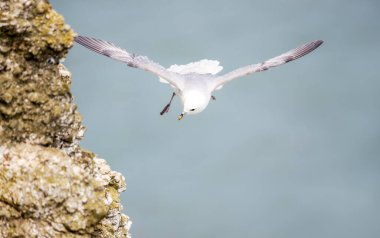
(273, 62)
(110, 50)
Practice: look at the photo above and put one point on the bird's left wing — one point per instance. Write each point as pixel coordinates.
(273, 62)
(136, 61)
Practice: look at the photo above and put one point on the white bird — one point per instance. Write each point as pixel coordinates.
(194, 83)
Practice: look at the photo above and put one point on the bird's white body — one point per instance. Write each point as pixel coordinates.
(198, 84)
(196, 93)
(195, 82)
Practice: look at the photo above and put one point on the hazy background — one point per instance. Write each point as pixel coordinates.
(291, 152)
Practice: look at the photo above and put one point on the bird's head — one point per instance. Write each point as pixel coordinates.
(194, 102)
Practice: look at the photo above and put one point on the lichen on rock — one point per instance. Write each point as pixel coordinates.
(49, 186)
(50, 193)
(35, 101)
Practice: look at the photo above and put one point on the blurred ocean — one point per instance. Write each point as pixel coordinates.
(291, 152)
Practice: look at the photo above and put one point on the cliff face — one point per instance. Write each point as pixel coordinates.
(49, 186)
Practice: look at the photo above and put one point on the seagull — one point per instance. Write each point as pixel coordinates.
(195, 82)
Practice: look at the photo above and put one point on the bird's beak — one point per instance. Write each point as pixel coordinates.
(181, 116)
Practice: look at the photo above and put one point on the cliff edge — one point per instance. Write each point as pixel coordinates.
(49, 185)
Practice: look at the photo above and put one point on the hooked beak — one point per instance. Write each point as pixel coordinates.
(181, 116)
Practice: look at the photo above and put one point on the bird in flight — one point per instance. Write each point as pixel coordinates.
(195, 82)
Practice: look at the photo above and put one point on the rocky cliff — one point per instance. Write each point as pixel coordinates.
(49, 185)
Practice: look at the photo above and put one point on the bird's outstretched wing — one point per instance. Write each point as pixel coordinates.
(136, 61)
(273, 62)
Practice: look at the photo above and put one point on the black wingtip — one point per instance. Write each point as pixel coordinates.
(79, 38)
(318, 43)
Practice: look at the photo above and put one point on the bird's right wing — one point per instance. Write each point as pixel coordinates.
(273, 62)
(136, 61)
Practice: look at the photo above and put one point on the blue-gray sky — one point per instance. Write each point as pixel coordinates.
(291, 152)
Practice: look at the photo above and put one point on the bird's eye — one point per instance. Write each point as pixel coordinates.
(192, 110)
